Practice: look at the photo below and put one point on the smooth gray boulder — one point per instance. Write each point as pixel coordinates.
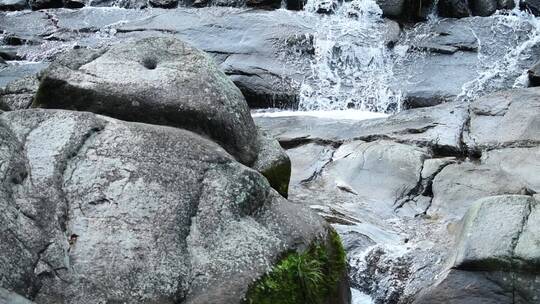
(505, 119)
(154, 80)
(101, 210)
(520, 163)
(273, 163)
(497, 172)
(308, 160)
(457, 186)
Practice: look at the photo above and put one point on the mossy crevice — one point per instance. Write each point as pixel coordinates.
(278, 177)
(313, 276)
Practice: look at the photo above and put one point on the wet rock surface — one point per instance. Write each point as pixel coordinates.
(406, 202)
(274, 56)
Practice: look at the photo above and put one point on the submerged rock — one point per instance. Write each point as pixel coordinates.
(439, 127)
(360, 168)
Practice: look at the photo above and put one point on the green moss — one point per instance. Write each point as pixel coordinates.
(309, 277)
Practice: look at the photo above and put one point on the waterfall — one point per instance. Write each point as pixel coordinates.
(352, 66)
(509, 66)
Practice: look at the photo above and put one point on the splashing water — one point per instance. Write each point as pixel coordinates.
(509, 67)
(352, 67)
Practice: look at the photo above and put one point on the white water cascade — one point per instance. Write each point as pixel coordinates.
(508, 66)
(352, 66)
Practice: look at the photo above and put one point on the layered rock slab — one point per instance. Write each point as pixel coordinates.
(439, 128)
(505, 119)
(107, 210)
(496, 257)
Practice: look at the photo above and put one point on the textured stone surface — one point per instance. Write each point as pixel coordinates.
(508, 118)
(273, 163)
(362, 169)
(438, 127)
(479, 248)
(8, 297)
(19, 94)
(154, 80)
(97, 209)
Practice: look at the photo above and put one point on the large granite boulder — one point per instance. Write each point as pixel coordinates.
(155, 80)
(457, 186)
(100, 210)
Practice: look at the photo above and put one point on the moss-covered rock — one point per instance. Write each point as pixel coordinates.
(313, 276)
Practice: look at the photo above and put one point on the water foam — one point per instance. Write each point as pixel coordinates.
(352, 66)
